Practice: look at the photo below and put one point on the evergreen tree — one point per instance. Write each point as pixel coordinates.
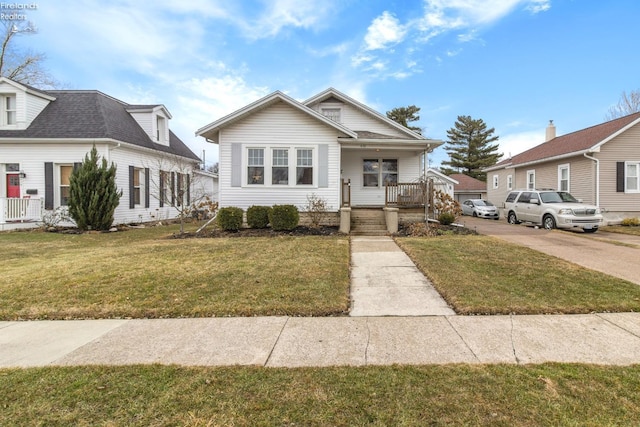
(405, 115)
(470, 148)
(93, 195)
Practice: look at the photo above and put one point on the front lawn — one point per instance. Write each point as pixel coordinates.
(634, 231)
(501, 395)
(484, 275)
(143, 274)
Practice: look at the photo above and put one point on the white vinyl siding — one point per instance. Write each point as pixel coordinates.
(280, 127)
(356, 119)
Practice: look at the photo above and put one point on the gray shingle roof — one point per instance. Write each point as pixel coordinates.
(92, 114)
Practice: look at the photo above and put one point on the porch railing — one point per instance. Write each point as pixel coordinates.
(14, 209)
(412, 194)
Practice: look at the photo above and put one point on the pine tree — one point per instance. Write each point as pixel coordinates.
(470, 148)
(404, 115)
(93, 195)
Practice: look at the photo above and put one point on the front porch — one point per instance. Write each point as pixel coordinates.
(18, 213)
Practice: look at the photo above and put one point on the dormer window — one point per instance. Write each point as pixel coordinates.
(160, 128)
(8, 110)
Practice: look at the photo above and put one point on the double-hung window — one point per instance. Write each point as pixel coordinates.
(632, 177)
(378, 172)
(8, 110)
(563, 178)
(136, 186)
(370, 172)
(304, 166)
(280, 166)
(509, 182)
(496, 181)
(255, 169)
(65, 175)
(531, 180)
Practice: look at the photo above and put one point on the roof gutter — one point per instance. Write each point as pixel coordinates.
(545, 160)
(597, 177)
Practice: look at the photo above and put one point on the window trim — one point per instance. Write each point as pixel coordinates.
(380, 172)
(496, 181)
(636, 164)
(4, 111)
(509, 182)
(60, 185)
(268, 166)
(531, 185)
(562, 167)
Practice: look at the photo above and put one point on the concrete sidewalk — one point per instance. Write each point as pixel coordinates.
(295, 342)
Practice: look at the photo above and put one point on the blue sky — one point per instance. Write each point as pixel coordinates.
(516, 64)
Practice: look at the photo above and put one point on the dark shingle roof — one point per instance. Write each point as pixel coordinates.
(365, 134)
(93, 115)
(573, 142)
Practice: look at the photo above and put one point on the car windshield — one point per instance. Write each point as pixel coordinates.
(482, 203)
(557, 197)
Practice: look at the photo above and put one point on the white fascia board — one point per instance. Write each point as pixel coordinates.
(596, 148)
(344, 98)
(550, 159)
(441, 175)
(18, 86)
(264, 102)
(429, 144)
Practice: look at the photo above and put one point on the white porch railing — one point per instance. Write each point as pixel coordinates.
(20, 210)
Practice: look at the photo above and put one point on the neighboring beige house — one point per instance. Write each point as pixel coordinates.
(468, 188)
(598, 165)
(280, 151)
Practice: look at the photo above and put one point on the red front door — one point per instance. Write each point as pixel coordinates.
(13, 185)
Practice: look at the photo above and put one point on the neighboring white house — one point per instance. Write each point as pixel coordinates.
(45, 134)
(279, 151)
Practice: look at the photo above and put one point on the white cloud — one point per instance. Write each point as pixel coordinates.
(516, 143)
(281, 14)
(537, 6)
(385, 30)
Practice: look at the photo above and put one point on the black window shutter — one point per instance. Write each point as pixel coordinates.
(48, 185)
(162, 189)
(180, 192)
(146, 187)
(620, 177)
(77, 166)
(132, 200)
(188, 189)
(173, 188)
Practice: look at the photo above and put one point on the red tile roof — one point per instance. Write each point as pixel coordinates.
(467, 183)
(574, 142)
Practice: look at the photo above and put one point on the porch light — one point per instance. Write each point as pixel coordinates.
(22, 174)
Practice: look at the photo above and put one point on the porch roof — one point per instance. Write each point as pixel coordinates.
(367, 139)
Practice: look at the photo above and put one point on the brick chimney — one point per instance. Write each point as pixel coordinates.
(551, 131)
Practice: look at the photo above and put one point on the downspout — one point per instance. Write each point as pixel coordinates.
(597, 178)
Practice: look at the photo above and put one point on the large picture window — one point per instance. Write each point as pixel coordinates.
(378, 172)
(255, 168)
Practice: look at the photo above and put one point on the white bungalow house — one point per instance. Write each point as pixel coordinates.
(45, 134)
(279, 151)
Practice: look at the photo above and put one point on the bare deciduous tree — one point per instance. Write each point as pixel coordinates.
(629, 103)
(176, 182)
(23, 66)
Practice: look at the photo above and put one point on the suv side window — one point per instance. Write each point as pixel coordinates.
(534, 196)
(512, 197)
(524, 197)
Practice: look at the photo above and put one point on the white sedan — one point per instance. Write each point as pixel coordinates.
(480, 208)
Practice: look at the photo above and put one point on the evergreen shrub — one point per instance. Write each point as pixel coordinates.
(230, 218)
(258, 216)
(284, 217)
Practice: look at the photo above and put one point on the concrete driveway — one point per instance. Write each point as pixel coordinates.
(611, 253)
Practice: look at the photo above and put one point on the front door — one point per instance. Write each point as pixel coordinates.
(13, 185)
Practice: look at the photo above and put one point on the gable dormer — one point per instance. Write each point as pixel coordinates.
(154, 119)
(20, 104)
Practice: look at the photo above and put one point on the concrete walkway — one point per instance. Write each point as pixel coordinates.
(385, 282)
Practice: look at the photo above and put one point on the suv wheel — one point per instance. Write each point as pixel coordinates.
(590, 230)
(548, 222)
(511, 218)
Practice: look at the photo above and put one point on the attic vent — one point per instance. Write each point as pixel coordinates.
(331, 113)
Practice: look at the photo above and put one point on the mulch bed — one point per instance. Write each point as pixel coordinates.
(259, 232)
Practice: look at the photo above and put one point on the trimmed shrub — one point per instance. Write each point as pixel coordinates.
(230, 218)
(446, 218)
(258, 216)
(631, 222)
(284, 217)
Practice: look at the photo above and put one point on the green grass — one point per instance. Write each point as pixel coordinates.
(484, 275)
(634, 231)
(501, 395)
(143, 274)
